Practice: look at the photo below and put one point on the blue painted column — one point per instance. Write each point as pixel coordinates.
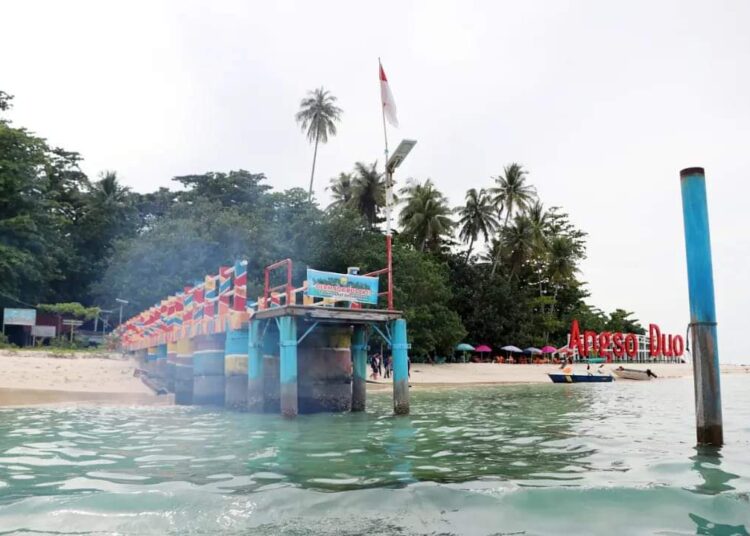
(150, 364)
(183, 373)
(359, 359)
(255, 398)
(400, 349)
(708, 419)
(288, 365)
(235, 369)
(160, 365)
(208, 370)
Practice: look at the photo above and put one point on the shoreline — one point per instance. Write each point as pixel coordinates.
(34, 377)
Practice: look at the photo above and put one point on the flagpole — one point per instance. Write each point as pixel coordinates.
(388, 201)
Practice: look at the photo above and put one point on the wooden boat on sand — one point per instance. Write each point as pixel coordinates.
(633, 374)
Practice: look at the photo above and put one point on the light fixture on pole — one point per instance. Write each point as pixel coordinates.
(395, 160)
(121, 302)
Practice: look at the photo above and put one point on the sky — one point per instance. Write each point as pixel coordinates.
(602, 103)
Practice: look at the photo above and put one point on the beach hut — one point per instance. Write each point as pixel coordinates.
(463, 348)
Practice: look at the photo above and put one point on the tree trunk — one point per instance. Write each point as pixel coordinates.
(497, 257)
(312, 173)
(468, 253)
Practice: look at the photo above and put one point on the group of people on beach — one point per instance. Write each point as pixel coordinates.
(381, 365)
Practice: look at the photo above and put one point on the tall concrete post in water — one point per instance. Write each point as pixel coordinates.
(183, 373)
(400, 367)
(288, 365)
(359, 358)
(255, 401)
(160, 365)
(235, 369)
(208, 369)
(708, 418)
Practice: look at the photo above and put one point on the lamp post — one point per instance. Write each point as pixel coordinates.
(395, 160)
(121, 302)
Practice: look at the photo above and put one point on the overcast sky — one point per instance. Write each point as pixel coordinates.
(602, 102)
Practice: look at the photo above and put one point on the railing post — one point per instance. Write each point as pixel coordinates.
(709, 424)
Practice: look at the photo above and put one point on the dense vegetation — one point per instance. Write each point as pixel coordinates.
(501, 269)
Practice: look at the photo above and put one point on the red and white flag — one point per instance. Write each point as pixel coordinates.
(389, 105)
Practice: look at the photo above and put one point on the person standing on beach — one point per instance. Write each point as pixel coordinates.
(387, 366)
(375, 364)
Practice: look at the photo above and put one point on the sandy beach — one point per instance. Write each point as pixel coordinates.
(491, 373)
(38, 377)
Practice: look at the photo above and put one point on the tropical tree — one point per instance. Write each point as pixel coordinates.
(517, 243)
(425, 217)
(511, 193)
(477, 217)
(317, 116)
(341, 190)
(367, 192)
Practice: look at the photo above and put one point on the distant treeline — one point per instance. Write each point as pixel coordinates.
(500, 269)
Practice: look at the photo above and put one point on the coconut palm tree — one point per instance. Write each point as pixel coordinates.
(477, 217)
(425, 217)
(317, 116)
(107, 192)
(517, 242)
(512, 193)
(341, 190)
(368, 191)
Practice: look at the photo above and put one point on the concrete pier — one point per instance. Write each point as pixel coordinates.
(235, 369)
(160, 365)
(359, 361)
(400, 348)
(288, 365)
(254, 367)
(150, 363)
(208, 370)
(183, 373)
(708, 415)
(171, 362)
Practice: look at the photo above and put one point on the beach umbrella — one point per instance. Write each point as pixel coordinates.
(511, 348)
(483, 349)
(463, 348)
(548, 349)
(532, 351)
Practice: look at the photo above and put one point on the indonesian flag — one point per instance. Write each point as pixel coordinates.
(389, 105)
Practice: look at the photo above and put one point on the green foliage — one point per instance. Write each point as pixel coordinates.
(71, 242)
(74, 309)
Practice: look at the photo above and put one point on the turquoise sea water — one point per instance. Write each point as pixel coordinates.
(545, 459)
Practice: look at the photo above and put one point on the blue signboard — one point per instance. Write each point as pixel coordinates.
(19, 317)
(343, 287)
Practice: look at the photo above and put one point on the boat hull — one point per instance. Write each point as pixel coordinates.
(579, 378)
(632, 374)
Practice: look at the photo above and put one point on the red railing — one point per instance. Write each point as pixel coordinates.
(287, 287)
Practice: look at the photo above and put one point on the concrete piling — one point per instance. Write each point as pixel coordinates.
(235, 369)
(208, 370)
(400, 349)
(171, 362)
(288, 365)
(254, 367)
(359, 360)
(183, 373)
(708, 416)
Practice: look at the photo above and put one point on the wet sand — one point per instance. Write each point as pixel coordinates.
(38, 377)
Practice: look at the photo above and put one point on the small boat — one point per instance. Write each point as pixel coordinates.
(580, 378)
(633, 374)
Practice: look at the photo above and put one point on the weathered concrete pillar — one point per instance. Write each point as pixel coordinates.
(171, 361)
(359, 359)
(288, 365)
(235, 369)
(208, 370)
(160, 365)
(150, 364)
(183, 373)
(708, 417)
(255, 399)
(400, 348)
